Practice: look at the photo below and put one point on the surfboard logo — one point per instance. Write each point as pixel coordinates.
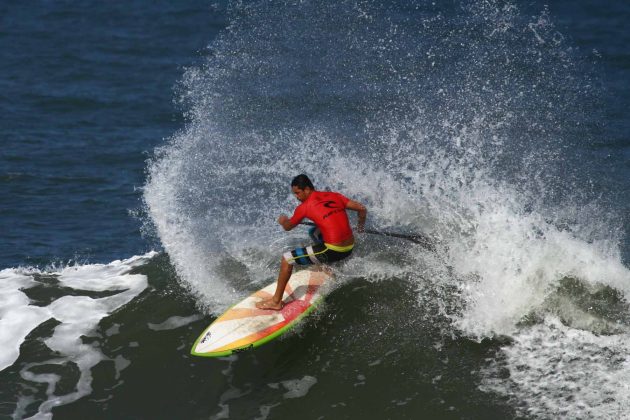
(206, 337)
(251, 346)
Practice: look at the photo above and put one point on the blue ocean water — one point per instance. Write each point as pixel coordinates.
(87, 94)
(499, 128)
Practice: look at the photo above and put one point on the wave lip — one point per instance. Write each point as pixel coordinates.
(518, 261)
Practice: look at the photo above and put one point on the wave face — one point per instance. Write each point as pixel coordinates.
(468, 121)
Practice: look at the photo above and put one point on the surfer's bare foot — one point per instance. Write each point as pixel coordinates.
(269, 304)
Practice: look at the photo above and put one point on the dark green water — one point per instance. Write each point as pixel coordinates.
(354, 351)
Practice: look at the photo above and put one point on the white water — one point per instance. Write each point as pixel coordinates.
(17, 318)
(518, 260)
(557, 371)
(77, 316)
(576, 367)
(174, 322)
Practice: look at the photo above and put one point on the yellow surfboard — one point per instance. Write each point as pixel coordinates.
(244, 326)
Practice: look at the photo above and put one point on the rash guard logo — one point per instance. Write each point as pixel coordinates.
(329, 204)
(333, 206)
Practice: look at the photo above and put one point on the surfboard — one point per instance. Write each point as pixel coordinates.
(244, 326)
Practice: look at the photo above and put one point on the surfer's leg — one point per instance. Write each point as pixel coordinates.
(300, 256)
(283, 277)
(276, 301)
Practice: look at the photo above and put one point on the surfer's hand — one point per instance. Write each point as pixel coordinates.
(360, 228)
(285, 222)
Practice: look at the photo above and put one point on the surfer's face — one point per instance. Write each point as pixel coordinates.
(301, 194)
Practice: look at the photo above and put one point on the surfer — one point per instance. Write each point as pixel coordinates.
(332, 233)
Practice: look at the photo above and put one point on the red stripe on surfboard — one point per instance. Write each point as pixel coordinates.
(289, 312)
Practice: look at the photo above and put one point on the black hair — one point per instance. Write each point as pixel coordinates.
(302, 181)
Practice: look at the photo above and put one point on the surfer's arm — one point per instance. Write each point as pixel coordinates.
(285, 222)
(361, 210)
(298, 216)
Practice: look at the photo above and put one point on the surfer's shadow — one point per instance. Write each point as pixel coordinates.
(300, 292)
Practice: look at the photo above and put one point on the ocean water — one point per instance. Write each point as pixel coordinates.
(147, 149)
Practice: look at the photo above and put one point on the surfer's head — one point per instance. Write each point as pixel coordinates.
(302, 187)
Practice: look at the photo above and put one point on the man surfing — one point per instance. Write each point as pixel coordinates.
(332, 233)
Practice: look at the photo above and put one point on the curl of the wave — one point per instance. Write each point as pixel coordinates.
(466, 121)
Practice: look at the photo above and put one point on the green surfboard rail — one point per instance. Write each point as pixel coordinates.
(256, 343)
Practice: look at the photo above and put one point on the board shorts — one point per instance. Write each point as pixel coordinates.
(319, 253)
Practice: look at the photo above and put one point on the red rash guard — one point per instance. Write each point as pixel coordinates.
(328, 211)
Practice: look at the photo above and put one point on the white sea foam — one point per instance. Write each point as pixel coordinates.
(77, 316)
(174, 322)
(296, 388)
(563, 372)
(518, 260)
(510, 264)
(177, 231)
(17, 317)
